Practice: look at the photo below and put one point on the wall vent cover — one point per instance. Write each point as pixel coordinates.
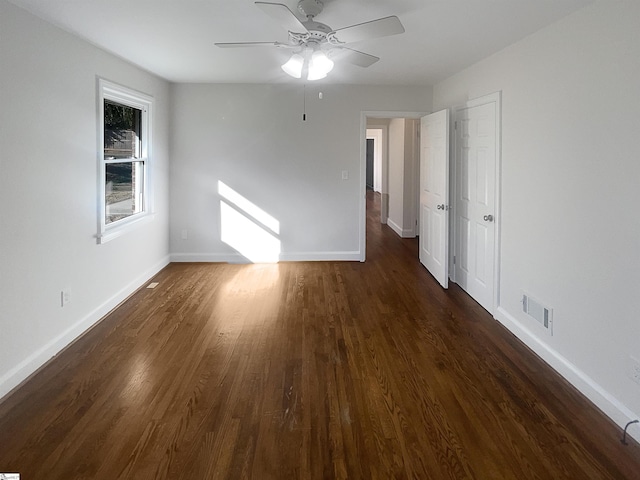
(538, 311)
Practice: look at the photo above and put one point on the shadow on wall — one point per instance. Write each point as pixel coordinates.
(247, 228)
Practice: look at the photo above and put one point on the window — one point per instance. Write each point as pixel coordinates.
(124, 118)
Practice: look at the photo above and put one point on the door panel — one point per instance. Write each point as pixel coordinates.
(465, 235)
(427, 245)
(465, 187)
(434, 195)
(482, 189)
(482, 239)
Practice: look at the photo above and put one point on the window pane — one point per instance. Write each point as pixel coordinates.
(122, 128)
(123, 189)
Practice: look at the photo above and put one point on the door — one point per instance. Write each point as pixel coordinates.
(476, 159)
(370, 157)
(434, 195)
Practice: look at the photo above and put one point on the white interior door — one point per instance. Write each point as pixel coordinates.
(476, 159)
(434, 195)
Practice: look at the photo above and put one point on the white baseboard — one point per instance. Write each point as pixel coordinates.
(602, 399)
(404, 233)
(284, 257)
(30, 365)
(394, 226)
(320, 256)
(208, 258)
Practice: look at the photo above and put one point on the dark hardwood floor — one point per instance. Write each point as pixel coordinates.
(310, 370)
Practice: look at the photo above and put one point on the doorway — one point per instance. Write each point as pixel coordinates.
(370, 162)
(376, 120)
(471, 228)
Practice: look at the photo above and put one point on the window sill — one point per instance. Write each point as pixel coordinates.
(127, 225)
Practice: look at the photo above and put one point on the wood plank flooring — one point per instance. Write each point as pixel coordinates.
(310, 370)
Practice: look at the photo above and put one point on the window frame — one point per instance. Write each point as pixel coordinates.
(125, 96)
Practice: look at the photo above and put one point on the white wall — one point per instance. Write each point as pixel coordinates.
(411, 177)
(403, 176)
(570, 193)
(252, 138)
(48, 193)
(396, 175)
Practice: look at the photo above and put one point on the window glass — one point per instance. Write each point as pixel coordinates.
(123, 190)
(122, 131)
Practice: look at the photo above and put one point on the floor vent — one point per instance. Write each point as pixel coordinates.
(533, 308)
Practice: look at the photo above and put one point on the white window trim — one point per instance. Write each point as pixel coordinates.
(126, 96)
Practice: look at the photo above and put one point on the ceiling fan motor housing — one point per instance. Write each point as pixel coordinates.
(310, 8)
(317, 29)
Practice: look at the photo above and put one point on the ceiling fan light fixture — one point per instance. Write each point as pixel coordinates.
(319, 66)
(293, 67)
(309, 38)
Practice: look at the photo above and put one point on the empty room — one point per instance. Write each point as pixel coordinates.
(349, 239)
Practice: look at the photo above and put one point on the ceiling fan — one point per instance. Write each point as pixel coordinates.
(315, 44)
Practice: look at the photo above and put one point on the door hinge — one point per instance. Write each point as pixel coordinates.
(454, 259)
(455, 125)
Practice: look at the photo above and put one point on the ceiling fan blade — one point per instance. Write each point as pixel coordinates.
(382, 27)
(252, 44)
(283, 15)
(356, 58)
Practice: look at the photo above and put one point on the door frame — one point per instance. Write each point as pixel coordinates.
(363, 167)
(453, 234)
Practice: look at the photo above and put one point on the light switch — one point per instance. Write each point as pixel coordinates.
(345, 174)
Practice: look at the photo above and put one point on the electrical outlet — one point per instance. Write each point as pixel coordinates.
(65, 297)
(634, 369)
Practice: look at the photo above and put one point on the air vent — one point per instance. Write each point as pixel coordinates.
(537, 311)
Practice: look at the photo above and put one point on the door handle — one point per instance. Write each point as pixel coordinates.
(440, 207)
(488, 218)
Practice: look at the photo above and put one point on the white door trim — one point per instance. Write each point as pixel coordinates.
(497, 99)
(363, 167)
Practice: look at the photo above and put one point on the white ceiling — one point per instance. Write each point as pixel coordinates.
(175, 38)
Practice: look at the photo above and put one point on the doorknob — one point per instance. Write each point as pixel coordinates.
(488, 218)
(440, 207)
